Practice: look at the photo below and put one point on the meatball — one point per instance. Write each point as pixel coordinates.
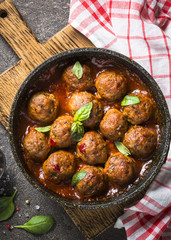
(111, 85)
(59, 166)
(113, 125)
(120, 169)
(141, 112)
(79, 99)
(141, 141)
(43, 107)
(36, 145)
(60, 131)
(93, 182)
(84, 83)
(92, 149)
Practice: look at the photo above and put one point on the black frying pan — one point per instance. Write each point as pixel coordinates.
(161, 152)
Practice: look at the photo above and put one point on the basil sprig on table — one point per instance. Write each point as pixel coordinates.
(7, 207)
(38, 224)
(121, 148)
(78, 70)
(78, 177)
(77, 128)
(130, 100)
(43, 129)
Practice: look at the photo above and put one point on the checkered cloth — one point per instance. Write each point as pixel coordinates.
(141, 30)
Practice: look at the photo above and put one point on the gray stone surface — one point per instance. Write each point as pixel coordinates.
(45, 18)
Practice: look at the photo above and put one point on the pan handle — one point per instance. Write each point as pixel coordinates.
(19, 36)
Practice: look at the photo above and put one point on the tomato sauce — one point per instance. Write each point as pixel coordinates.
(51, 82)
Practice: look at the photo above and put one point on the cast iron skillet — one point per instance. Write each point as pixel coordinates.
(161, 151)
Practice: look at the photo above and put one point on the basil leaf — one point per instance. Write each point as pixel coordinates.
(38, 224)
(75, 125)
(121, 148)
(78, 70)
(77, 131)
(78, 177)
(83, 113)
(43, 129)
(7, 207)
(130, 100)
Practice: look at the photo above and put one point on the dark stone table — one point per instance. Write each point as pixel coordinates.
(45, 18)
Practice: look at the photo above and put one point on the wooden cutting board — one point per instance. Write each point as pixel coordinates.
(31, 53)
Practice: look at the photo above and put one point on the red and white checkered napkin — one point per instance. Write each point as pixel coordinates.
(141, 30)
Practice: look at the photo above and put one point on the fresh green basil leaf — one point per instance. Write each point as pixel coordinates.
(77, 131)
(38, 224)
(78, 177)
(78, 70)
(121, 148)
(130, 100)
(43, 129)
(75, 125)
(7, 207)
(83, 113)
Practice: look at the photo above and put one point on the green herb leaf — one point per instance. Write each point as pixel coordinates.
(43, 129)
(77, 131)
(130, 100)
(38, 224)
(83, 113)
(78, 70)
(78, 177)
(7, 207)
(121, 148)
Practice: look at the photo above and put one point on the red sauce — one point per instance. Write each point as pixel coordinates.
(51, 82)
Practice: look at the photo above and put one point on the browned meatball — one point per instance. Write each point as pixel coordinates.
(60, 131)
(93, 182)
(43, 107)
(36, 145)
(141, 141)
(79, 99)
(113, 125)
(84, 83)
(59, 166)
(141, 112)
(111, 85)
(92, 148)
(120, 169)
